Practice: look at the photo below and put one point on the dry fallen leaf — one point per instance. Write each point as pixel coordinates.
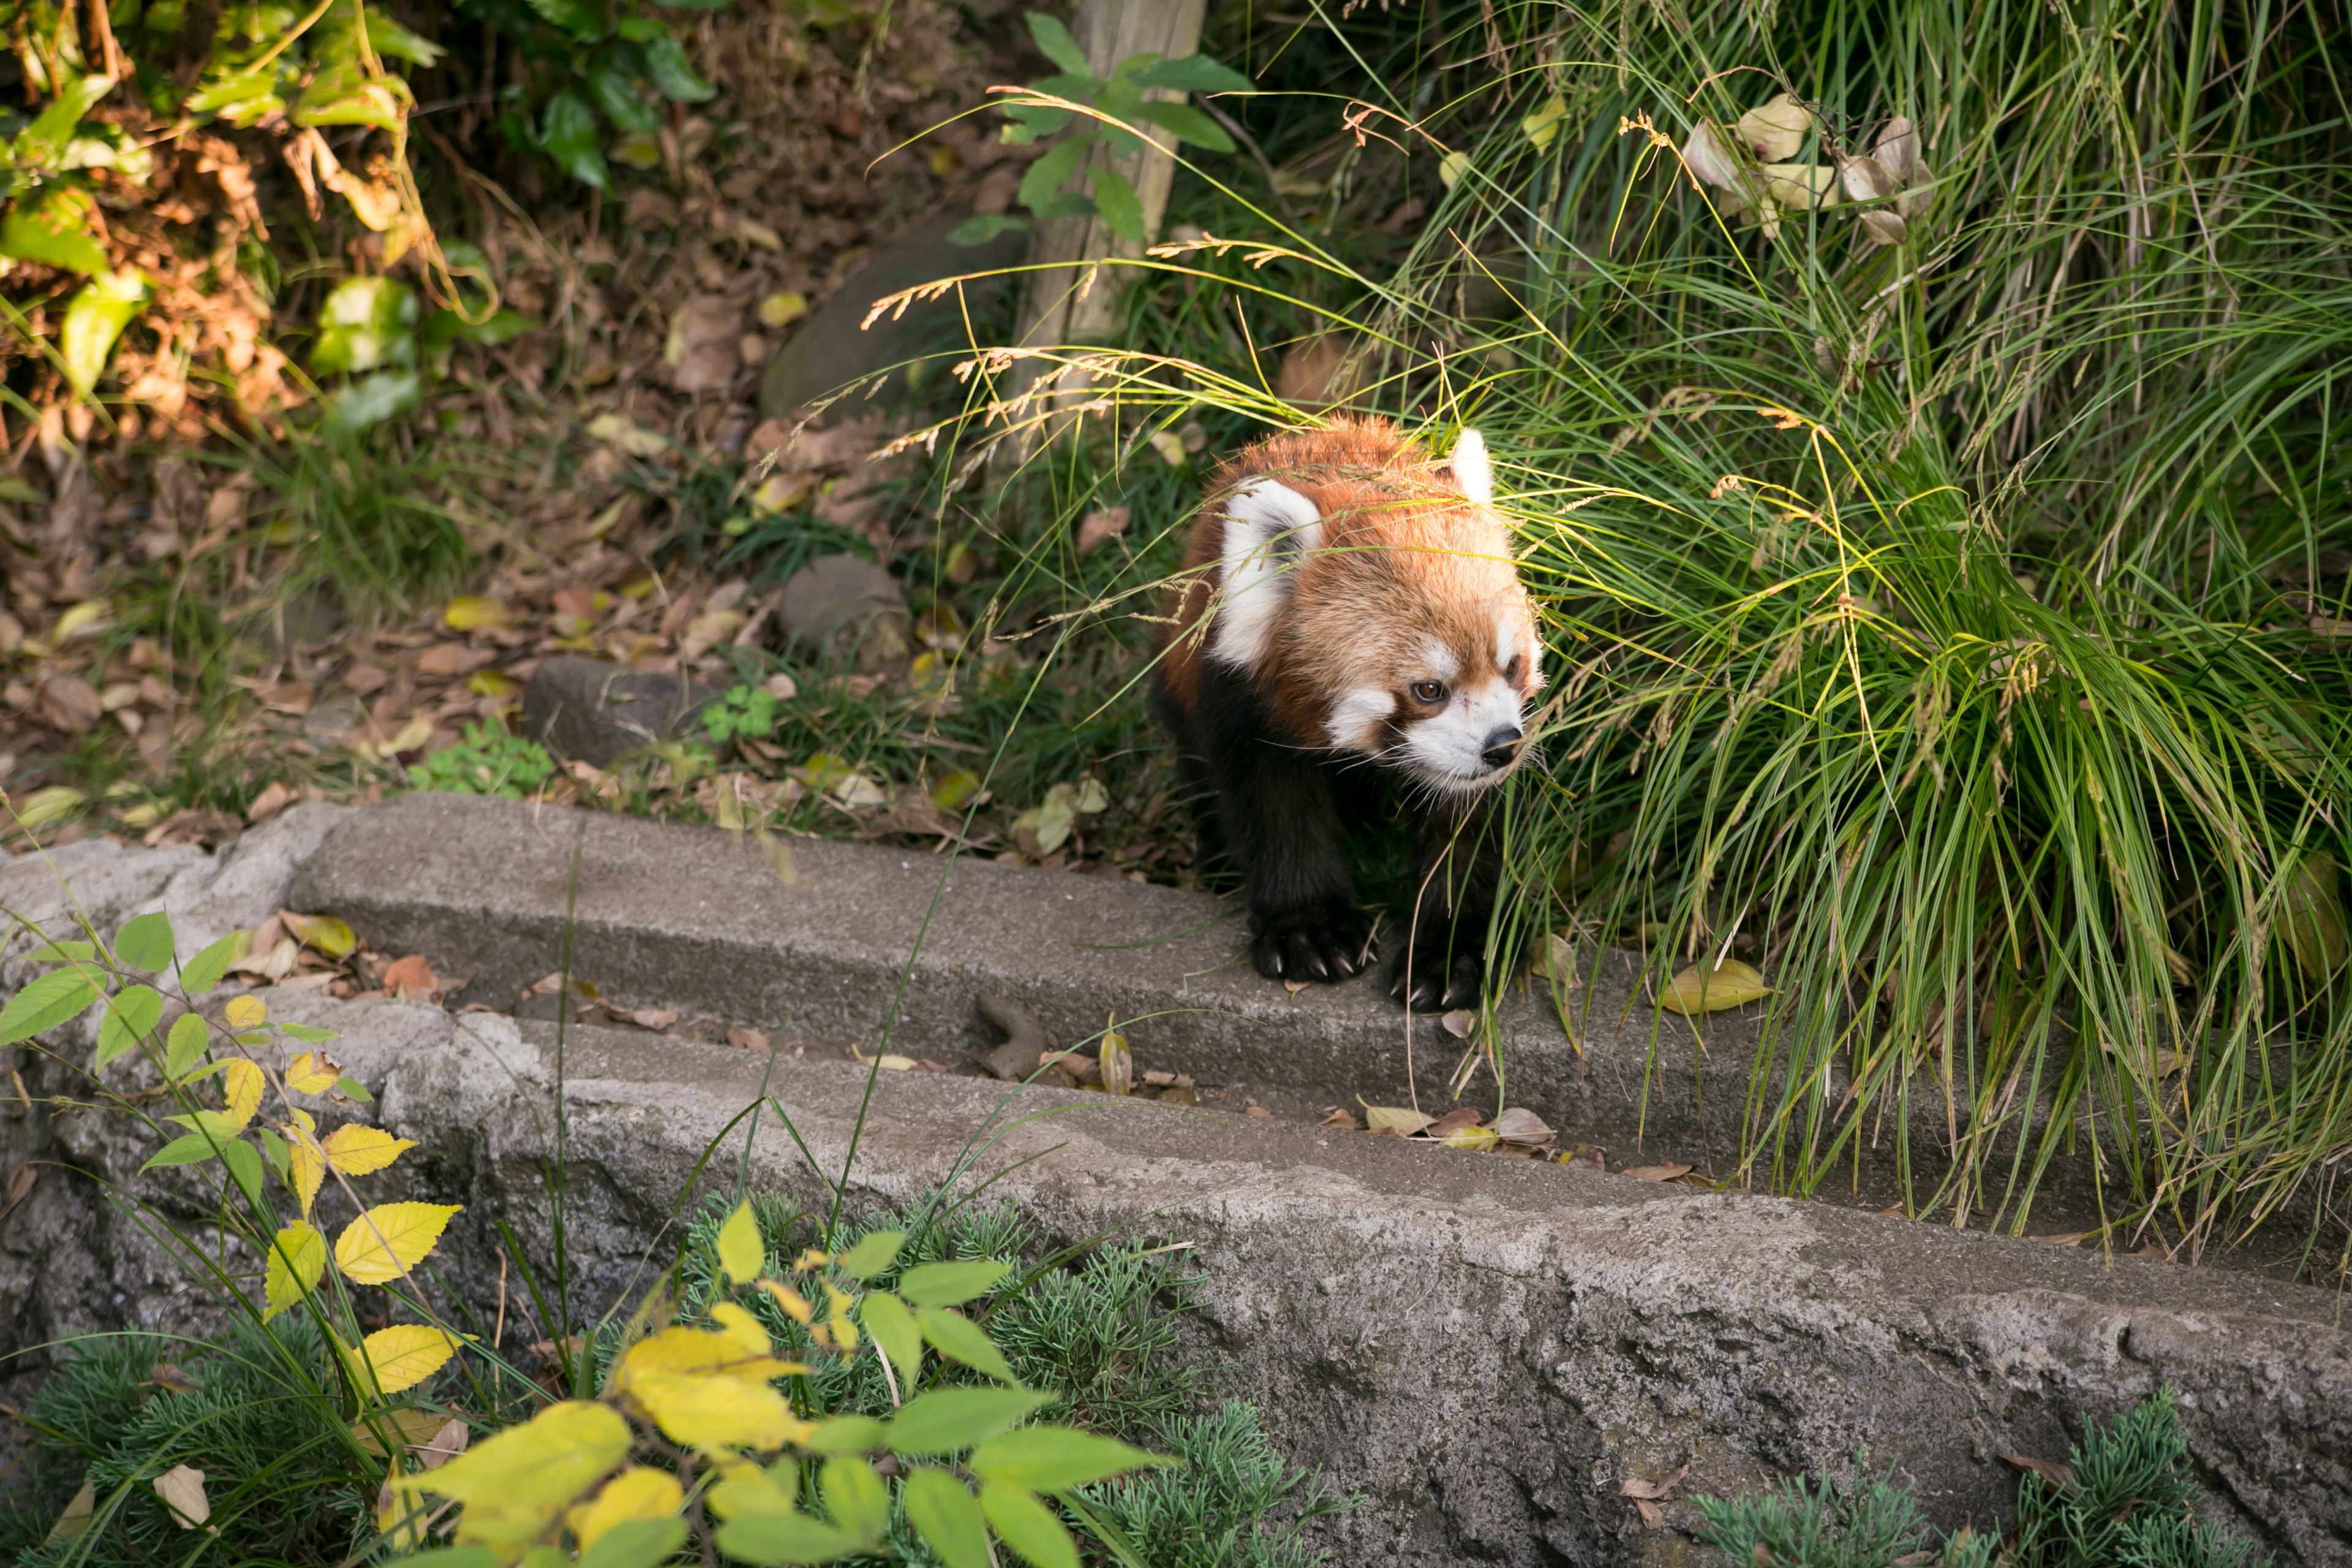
(1393, 1120)
(1460, 1022)
(1585, 1157)
(1116, 1063)
(182, 1491)
(1666, 1172)
(1470, 1135)
(472, 612)
(412, 976)
(1517, 1124)
(2070, 1239)
(653, 1018)
(1341, 1117)
(1652, 1487)
(744, 1039)
(1773, 130)
(446, 1445)
(1099, 528)
(1294, 986)
(1730, 983)
(2050, 1471)
(273, 799)
(1454, 1120)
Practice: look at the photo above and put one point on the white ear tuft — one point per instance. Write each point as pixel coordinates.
(1470, 468)
(1268, 526)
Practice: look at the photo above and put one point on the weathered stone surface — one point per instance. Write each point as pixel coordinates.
(598, 712)
(1485, 1348)
(847, 611)
(835, 347)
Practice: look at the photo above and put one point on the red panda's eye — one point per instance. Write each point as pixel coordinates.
(1511, 670)
(1429, 691)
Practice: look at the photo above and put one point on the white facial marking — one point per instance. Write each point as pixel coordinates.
(1448, 749)
(1439, 659)
(1471, 469)
(1356, 718)
(1506, 639)
(1268, 526)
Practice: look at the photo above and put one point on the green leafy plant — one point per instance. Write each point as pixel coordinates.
(593, 80)
(486, 760)
(746, 712)
(1066, 181)
(373, 335)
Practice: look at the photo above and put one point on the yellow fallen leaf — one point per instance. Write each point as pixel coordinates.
(356, 1150)
(246, 1012)
(89, 615)
(402, 1356)
(1471, 1136)
(473, 611)
(1730, 983)
(492, 683)
(1393, 1119)
(298, 1256)
(242, 1082)
(322, 933)
(639, 1492)
(782, 309)
(404, 1428)
(390, 1239)
(74, 1521)
(1459, 1022)
(1664, 1172)
(312, 1072)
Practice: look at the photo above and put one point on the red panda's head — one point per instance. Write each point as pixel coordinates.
(1369, 596)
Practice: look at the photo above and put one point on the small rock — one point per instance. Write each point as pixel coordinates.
(847, 611)
(832, 347)
(330, 723)
(597, 713)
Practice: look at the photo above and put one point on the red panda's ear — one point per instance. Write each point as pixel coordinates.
(1268, 526)
(1471, 473)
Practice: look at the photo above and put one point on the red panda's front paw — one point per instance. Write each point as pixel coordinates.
(1328, 942)
(1431, 982)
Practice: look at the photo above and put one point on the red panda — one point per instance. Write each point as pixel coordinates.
(1349, 601)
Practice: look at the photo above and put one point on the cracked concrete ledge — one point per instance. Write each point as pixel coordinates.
(1485, 1348)
(675, 916)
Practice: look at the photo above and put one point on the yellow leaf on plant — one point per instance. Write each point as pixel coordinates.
(546, 1463)
(1729, 984)
(844, 1328)
(711, 1413)
(679, 1352)
(402, 1356)
(313, 1072)
(246, 1012)
(739, 1325)
(639, 1492)
(298, 1256)
(390, 1239)
(355, 1151)
(472, 612)
(322, 933)
(795, 1305)
(740, 1250)
(242, 1082)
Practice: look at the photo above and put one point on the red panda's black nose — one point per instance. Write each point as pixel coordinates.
(1501, 747)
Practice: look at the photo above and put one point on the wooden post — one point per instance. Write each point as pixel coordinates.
(1061, 303)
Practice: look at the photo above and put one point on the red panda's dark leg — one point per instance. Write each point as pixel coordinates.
(1275, 819)
(1442, 965)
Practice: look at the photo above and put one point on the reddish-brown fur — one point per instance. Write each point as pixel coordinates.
(1405, 559)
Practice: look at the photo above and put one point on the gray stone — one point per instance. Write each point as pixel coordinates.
(597, 713)
(848, 612)
(834, 348)
(1485, 1348)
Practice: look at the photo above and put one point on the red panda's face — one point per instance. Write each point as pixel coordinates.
(1386, 623)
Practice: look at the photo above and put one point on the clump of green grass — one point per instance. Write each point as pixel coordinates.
(1953, 628)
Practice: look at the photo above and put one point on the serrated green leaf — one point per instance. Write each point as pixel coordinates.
(855, 1498)
(204, 971)
(273, 1150)
(1045, 175)
(982, 229)
(873, 1255)
(1189, 124)
(144, 942)
(1056, 1458)
(1121, 209)
(308, 1034)
(136, 1010)
(892, 1329)
(244, 1163)
(45, 1001)
(1195, 73)
(766, 1537)
(672, 73)
(68, 951)
(1028, 1527)
(297, 1257)
(947, 1516)
(958, 1338)
(567, 133)
(1054, 41)
(613, 81)
(347, 95)
(949, 1420)
(352, 1089)
(741, 1253)
(848, 1435)
(184, 1045)
(951, 1284)
(635, 1543)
